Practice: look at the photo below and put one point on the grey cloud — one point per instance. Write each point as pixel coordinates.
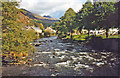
(50, 7)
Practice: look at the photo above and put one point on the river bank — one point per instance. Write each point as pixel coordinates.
(97, 43)
(55, 57)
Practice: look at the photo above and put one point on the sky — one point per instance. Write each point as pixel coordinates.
(53, 8)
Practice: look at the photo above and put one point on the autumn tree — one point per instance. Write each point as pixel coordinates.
(42, 27)
(15, 38)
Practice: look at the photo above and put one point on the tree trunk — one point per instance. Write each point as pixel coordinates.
(118, 32)
(80, 31)
(95, 33)
(56, 32)
(88, 33)
(107, 33)
(71, 37)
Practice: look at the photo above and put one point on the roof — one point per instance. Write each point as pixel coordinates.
(37, 29)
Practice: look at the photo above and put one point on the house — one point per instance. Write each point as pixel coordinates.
(113, 31)
(101, 31)
(28, 27)
(84, 31)
(38, 30)
(50, 30)
(97, 32)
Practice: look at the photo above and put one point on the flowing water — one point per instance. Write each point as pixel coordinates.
(55, 57)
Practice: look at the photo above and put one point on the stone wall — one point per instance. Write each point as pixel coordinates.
(111, 44)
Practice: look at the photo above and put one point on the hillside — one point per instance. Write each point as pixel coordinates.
(38, 17)
(23, 18)
(47, 16)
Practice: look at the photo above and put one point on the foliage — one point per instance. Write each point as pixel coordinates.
(67, 23)
(16, 39)
(60, 27)
(42, 27)
(68, 20)
(45, 23)
(97, 15)
(104, 12)
(47, 33)
(84, 37)
(87, 16)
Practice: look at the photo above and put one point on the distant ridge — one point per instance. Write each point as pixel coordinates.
(38, 17)
(47, 16)
(28, 13)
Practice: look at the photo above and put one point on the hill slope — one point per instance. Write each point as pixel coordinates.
(38, 17)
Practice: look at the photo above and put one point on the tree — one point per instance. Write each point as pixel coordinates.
(78, 20)
(36, 24)
(105, 10)
(116, 16)
(61, 28)
(68, 20)
(88, 16)
(42, 27)
(15, 38)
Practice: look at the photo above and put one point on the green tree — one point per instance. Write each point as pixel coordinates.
(78, 20)
(36, 24)
(116, 16)
(68, 20)
(104, 10)
(61, 28)
(88, 16)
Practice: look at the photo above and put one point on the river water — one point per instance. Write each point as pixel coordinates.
(55, 57)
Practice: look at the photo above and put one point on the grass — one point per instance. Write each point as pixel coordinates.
(112, 36)
(78, 37)
(84, 36)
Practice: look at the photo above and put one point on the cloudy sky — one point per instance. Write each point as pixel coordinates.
(54, 8)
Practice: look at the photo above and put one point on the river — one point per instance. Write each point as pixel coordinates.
(55, 57)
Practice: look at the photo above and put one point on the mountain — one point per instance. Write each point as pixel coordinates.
(28, 13)
(23, 18)
(33, 16)
(47, 16)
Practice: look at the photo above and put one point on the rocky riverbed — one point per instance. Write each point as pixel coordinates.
(58, 58)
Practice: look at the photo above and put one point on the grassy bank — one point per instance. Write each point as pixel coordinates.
(83, 37)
